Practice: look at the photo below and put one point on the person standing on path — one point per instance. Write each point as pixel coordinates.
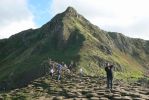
(52, 70)
(59, 69)
(81, 72)
(109, 72)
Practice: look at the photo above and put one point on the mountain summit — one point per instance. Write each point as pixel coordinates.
(69, 37)
(70, 11)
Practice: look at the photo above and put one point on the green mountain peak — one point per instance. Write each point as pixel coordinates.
(71, 10)
(70, 37)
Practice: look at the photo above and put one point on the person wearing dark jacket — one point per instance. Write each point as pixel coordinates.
(109, 72)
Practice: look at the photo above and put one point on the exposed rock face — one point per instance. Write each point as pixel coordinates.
(106, 49)
(71, 12)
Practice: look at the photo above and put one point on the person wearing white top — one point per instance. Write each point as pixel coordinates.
(52, 71)
(81, 72)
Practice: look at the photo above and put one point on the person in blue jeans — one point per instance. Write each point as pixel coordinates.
(59, 69)
(109, 72)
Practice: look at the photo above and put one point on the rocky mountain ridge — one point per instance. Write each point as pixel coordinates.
(70, 37)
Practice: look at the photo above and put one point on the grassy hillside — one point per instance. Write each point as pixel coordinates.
(70, 37)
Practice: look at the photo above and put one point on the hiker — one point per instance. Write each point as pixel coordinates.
(71, 65)
(50, 65)
(66, 69)
(59, 69)
(109, 73)
(52, 70)
(81, 72)
(65, 66)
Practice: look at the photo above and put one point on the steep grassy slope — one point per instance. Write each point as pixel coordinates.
(69, 37)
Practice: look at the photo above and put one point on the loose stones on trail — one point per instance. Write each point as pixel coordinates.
(74, 88)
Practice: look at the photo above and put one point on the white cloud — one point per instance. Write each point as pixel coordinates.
(130, 17)
(15, 17)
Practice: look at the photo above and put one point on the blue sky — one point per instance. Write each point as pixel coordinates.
(130, 17)
(41, 11)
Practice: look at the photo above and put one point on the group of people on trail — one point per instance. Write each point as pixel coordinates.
(108, 70)
(52, 69)
(55, 67)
